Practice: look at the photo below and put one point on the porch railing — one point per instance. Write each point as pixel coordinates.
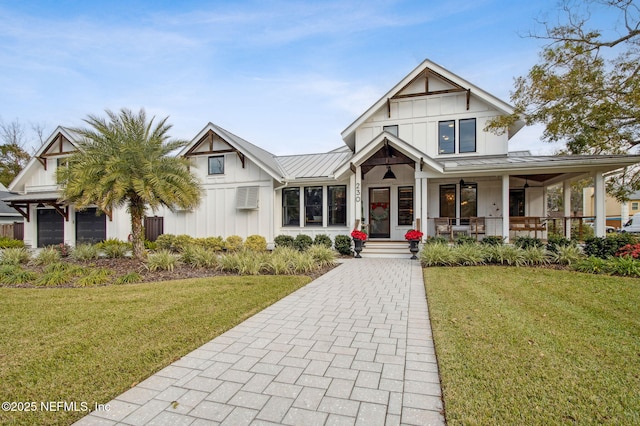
(532, 226)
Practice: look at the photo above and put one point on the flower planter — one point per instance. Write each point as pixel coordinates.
(357, 247)
(413, 248)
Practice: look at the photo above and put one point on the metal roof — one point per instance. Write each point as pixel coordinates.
(513, 161)
(312, 165)
(33, 196)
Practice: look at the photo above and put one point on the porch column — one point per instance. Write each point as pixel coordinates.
(424, 216)
(358, 196)
(599, 207)
(417, 203)
(566, 206)
(352, 205)
(505, 207)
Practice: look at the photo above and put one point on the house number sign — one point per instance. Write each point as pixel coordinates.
(357, 192)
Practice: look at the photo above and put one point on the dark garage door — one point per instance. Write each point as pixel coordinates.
(89, 227)
(50, 228)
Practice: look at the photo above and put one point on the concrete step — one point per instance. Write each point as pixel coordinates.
(386, 249)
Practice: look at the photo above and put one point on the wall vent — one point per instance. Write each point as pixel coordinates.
(247, 197)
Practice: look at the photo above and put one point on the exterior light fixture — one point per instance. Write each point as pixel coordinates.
(389, 174)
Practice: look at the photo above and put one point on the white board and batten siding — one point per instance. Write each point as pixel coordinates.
(221, 212)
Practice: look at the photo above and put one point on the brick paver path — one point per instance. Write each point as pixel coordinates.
(352, 347)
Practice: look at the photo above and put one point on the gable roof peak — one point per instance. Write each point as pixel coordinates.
(424, 70)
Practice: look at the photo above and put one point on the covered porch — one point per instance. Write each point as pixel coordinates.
(395, 187)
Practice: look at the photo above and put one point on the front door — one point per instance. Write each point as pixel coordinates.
(379, 213)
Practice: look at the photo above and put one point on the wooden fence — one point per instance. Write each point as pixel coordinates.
(12, 230)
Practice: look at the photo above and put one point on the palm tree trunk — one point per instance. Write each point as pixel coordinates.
(137, 210)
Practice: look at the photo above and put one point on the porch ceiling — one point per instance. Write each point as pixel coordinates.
(386, 156)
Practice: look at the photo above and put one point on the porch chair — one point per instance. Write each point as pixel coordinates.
(443, 226)
(476, 226)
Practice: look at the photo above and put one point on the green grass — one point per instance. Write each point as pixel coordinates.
(90, 345)
(536, 346)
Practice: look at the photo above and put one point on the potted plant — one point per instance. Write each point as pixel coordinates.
(413, 236)
(358, 238)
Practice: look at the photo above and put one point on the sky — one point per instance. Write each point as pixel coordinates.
(288, 76)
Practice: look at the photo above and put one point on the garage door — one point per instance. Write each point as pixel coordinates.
(89, 227)
(50, 228)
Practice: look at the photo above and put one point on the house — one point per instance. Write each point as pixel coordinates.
(417, 158)
(617, 213)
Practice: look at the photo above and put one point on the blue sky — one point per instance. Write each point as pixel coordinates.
(288, 76)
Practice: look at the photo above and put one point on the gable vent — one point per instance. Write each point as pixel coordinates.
(247, 197)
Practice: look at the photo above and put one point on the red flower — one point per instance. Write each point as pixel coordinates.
(358, 235)
(413, 234)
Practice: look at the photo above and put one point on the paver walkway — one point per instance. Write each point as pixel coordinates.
(352, 347)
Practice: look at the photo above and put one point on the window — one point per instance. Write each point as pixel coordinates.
(391, 129)
(468, 135)
(447, 201)
(405, 205)
(447, 137)
(516, 202)
(313, 206)
(634, 206)
(468, 202)
(291, 207)
(216, 165)
(337, 205)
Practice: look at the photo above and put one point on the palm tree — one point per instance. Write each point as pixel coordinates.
(125, 160)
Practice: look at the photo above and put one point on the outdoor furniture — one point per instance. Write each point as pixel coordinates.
(443, 227)
(477, 226)
(526, 224)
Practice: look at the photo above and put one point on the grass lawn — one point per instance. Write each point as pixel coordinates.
(536, 346)
(91, 344)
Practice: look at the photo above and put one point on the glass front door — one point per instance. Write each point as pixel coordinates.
(379, 213)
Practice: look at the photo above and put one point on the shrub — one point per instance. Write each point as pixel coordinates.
(536, 256)
(199, 257)
(631, 250)
(10, 243)
(465, 240)
(593, 265)
(211, 243)
(47, 256)
(567, 255)
(283, 241)
(555, 240)
(165, 241)
(162, 260)
(322, 255)
(63, 249)
(94, 277)
(525, 242)
(233, 243)
(85, 252)
(303, 263)
(505, 255)
(604, 247)
(492, 240)
(302, 242)
(437, 240)
(323, 240)
(244, 262)
(17, 276)
(128, 278)
(55, 274)
(150, 245)
(181, 242)
(281, 260)
(626, 266)
(114, 248)
(437, 255)
(342, 244)
(256, 243)
(468, 255)
(15, 256)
